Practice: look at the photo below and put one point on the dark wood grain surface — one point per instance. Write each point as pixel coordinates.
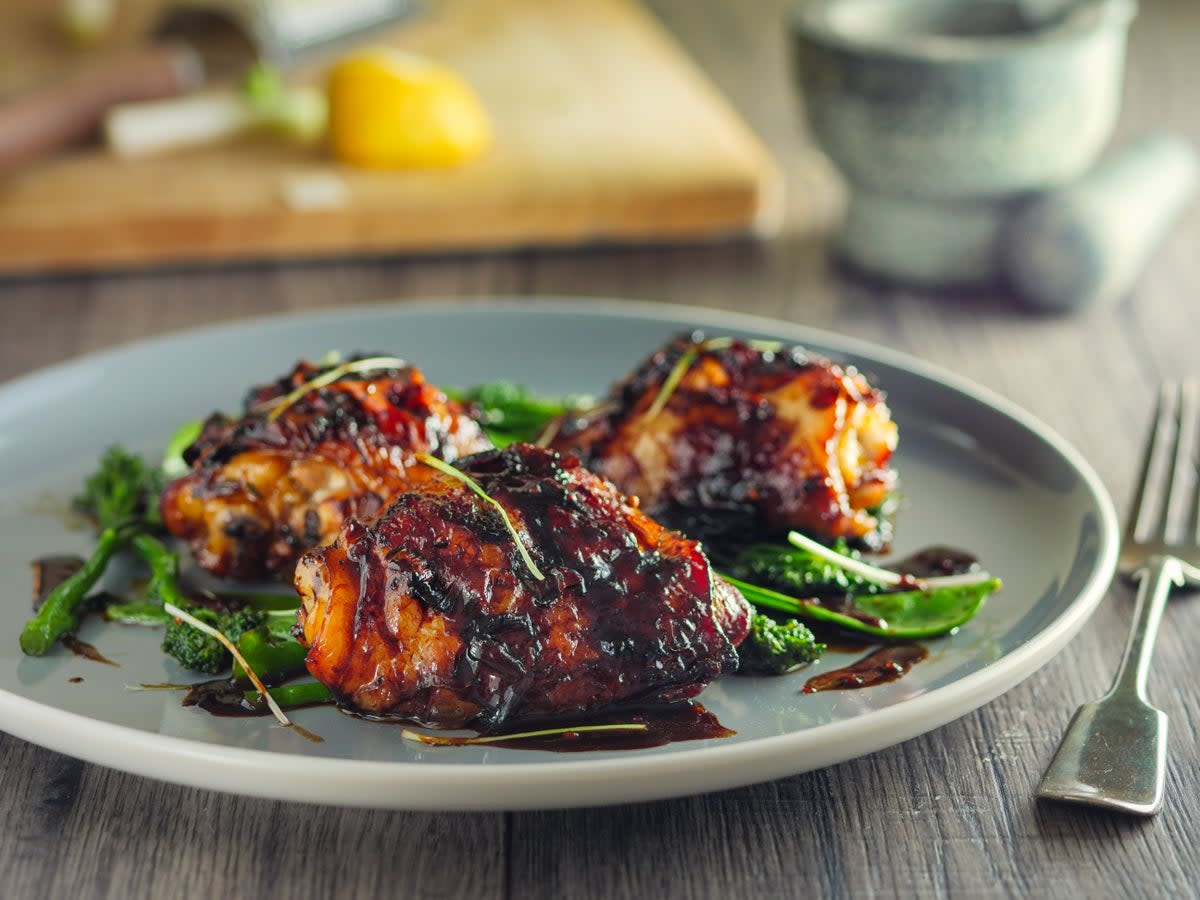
(951, 812)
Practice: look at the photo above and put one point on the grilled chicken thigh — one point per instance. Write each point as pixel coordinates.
(432, 614)
(750, 437)
(286, 475)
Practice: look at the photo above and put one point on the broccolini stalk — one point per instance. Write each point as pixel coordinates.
(62, 609)
(164, 568)
(122, 497)
(298, 693)
(272, 652)
(140, 612)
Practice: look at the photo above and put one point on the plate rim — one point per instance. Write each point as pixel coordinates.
(574, 782)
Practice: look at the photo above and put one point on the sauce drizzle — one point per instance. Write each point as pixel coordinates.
(883, 665)
(666, 724)
(51, 571)
(86, 650)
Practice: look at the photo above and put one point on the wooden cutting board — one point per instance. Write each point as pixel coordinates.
(605, 131)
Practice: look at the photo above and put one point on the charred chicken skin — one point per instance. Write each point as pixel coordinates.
(286, 475)
(431, 614)
(751, 437)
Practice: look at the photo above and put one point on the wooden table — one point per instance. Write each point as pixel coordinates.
(948, 813)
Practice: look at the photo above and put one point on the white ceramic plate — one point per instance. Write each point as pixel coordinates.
(976, 472)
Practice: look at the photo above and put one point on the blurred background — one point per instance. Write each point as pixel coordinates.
(936, 145)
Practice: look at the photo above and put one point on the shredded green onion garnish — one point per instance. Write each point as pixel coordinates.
(355, 366)
(232, 648)
(673, 378)
(445, 741)
(689, 356)
(443, 466)
(158, 686)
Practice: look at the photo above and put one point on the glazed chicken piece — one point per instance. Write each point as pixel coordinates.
(286, 475)
(431, 614)
(752, 438)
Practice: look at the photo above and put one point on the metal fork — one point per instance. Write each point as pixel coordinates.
(1115, 750)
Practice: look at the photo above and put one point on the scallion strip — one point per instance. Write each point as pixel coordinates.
(355, 366)
(446, 468)
(438, 740)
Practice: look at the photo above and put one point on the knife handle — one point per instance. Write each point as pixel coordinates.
(65, 111)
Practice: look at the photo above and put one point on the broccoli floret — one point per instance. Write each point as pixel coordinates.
(773, 647)
(199, 651)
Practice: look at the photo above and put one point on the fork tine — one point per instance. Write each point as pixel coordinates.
(1189, 457)
(1135, 521)
(1178, 462)
(1177, 503)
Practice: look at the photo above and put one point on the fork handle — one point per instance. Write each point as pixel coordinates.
(1154, 586)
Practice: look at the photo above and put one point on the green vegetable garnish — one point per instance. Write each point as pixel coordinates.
(773, 647)
(173, 464)
(796, 571)
(202, 652)
(122, 496)
(229, 644)
(883, 603)
(511, 413)
(272, 651)
(897, 615)
(299, 693)
(139, 612)
(122, 491)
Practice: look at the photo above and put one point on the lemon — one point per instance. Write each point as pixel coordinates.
(389, 109)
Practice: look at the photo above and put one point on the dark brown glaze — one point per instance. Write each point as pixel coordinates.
(86, 650)
(227, 697)
(222, 697)
(845, 605)
(51, 571)
(883, 665)
(750, 440)
(667, 724)
(76, 679)
(431, 614)
(936, 562)
(262, 489)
